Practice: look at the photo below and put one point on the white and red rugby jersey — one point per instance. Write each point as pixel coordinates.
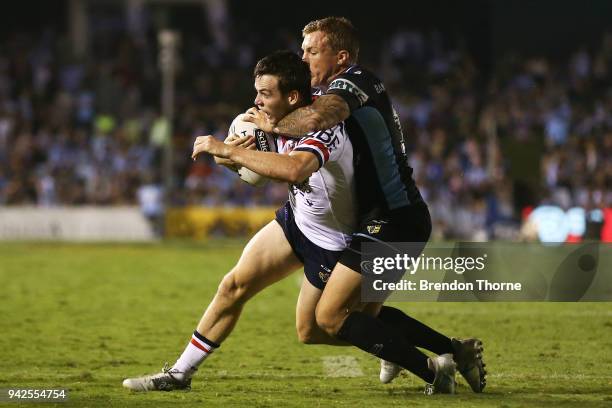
(324, 205)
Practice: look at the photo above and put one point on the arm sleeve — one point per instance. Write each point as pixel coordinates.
(355, 89)
(323, 144)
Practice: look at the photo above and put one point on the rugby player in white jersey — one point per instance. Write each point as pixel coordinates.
(389, 207)
(311, 230)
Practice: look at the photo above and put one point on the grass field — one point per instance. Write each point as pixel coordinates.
(83, 317)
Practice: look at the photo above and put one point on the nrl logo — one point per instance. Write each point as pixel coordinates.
(373, 229)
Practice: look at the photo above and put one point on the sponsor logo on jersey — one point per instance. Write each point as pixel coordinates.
(379, 87)
(346, 85)
(262, 141)
(329, 138)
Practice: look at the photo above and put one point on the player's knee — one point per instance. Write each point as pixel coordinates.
(329, 320)
(306, 333)
(233, 291)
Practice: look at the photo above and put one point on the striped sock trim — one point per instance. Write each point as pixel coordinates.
(196, 343)
(203, 343)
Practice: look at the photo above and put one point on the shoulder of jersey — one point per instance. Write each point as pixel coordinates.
(357, 70)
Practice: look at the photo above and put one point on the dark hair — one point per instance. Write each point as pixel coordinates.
(340, 33)
(291, 71)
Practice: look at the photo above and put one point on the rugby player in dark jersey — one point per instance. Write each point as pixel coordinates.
(390, 209)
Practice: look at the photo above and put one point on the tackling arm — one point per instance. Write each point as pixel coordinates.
(325, 112)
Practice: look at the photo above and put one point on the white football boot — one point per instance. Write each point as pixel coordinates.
(388, 371)
(167, 380)
(444, 368)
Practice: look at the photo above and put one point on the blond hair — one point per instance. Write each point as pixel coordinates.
(340, 33)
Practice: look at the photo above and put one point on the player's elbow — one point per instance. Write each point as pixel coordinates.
(299, 166)
(293, 177)
(288, 173)
(297, 173)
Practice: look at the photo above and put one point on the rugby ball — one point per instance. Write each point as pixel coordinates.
(263, 142)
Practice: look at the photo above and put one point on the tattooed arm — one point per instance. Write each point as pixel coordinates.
(325, 112)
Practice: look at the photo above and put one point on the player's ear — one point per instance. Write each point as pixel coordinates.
(293, 97)
(343, 57)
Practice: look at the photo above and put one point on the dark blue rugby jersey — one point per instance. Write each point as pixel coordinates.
(382, 174)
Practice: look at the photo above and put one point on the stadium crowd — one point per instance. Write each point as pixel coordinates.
(483, 144)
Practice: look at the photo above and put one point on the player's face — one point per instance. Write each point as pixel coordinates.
(323, 61)
(270, 99)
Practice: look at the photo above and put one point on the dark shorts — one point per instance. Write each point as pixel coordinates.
(318, 262)
(410, 224)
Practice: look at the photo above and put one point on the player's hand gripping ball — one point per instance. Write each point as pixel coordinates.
(263, 142)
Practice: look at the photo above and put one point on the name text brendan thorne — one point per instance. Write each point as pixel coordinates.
(425, 285)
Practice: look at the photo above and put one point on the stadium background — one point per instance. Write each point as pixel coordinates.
(506, 105)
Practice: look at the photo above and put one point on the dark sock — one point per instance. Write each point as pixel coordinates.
(375, 337)
(416, 332)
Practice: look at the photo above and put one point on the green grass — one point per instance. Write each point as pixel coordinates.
(83, 317)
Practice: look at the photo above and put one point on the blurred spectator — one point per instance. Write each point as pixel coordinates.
(89, 132)
(151, 201)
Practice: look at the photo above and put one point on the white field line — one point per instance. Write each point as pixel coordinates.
(341, 366)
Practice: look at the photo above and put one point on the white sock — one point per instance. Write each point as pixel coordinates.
(195, 353)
